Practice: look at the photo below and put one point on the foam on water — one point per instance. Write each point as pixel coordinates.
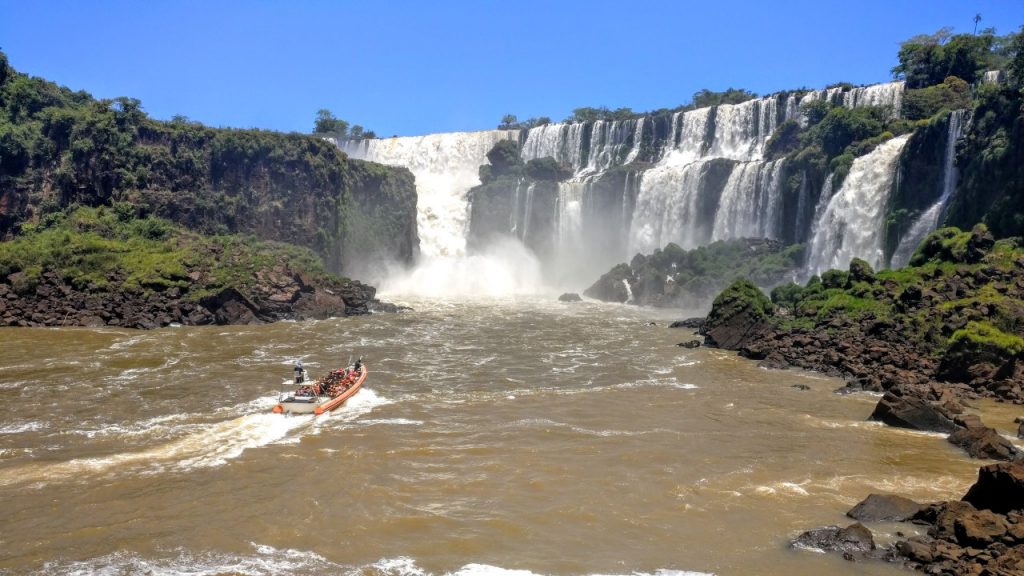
(208, 445)
(783, 489)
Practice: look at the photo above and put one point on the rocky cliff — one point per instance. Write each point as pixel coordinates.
(62, 148)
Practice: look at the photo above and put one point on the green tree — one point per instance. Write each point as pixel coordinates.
(1015, 67)
(326, 123)
(508, 122)
(705, 97)
(843, 126)
(928, 59)
(504, 158)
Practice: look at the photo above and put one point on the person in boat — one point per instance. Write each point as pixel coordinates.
(358, 366)
(300, 374)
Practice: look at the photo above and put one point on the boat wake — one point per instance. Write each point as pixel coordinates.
(203, 446)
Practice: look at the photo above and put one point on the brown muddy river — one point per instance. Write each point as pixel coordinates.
(518, 438)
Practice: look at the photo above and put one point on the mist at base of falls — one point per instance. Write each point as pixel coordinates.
(503, 268)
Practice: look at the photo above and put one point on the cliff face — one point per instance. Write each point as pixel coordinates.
(379, 226)
(62, 148)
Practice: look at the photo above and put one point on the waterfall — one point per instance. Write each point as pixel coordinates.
(563, 142)
(513, 215)
(686, 141)
(527, 210)
(823, 200)
(851, 223)
(666, 208)
(613, 144)
(888, 95)
(677, 200)
(750, 202)
(741, 130)
(930, 218)
(446, 166)
(801, 206)
(993, 77)
(638, 184)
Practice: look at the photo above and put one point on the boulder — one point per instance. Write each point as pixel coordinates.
(612, 286)
(1000, 488)
(739, 315)
(884, 508)
(854, 539)
(980, 441)
(229, 306)
(979, 528)
(688, 323)
(916, 549)
(570, 297)
(906, 407)
(689, 344)
(861, 271)
(942, 518)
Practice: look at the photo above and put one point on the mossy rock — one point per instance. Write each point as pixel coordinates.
(979, 350)
(739, 314)
(861, 271)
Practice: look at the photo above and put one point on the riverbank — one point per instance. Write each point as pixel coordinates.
(933, 337)
(99, 267)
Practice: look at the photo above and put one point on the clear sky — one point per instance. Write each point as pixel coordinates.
(405, 67)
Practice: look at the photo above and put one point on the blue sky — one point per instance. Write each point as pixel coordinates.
(403, 67)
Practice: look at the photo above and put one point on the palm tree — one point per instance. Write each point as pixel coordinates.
(977, 18)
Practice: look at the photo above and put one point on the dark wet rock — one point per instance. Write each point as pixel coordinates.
(689, 344)
(884, 508)
(688, 323)
(739, 315)
(1020, 426)
(917, 549)
(387, 307)
(803, 387)
(906, 407)
(854, 539)
(614, 286)
(229, 306)
(980, 441)
(1000, 488)
(570, 297)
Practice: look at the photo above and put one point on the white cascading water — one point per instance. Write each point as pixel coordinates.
(993, 77)
(668, 206)
(888, 95)
(710, 181)
(929, 219)
(851, 225)
(446, 166)
(749, 204)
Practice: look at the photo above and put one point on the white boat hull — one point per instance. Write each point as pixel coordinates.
(290, 406)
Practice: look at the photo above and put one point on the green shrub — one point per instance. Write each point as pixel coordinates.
(982, 334)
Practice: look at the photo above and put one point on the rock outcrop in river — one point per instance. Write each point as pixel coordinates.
(679, 278)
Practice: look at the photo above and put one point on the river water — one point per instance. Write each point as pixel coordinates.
(509, 438)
